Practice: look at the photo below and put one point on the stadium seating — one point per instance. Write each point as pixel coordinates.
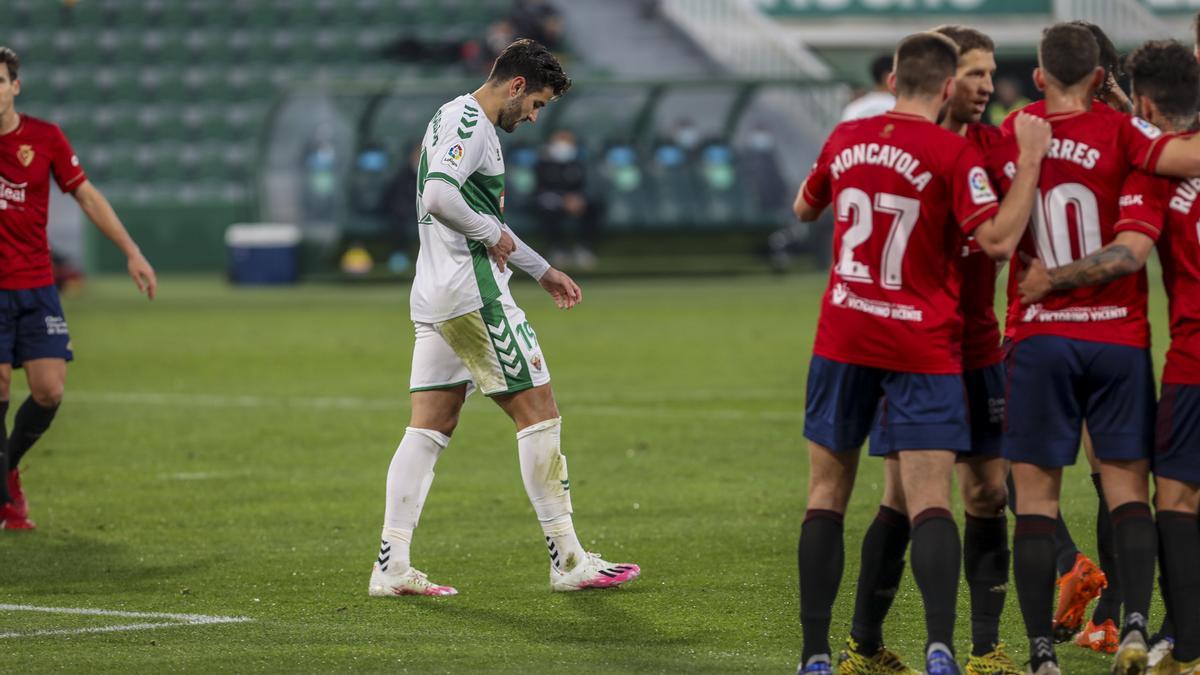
(164, 99)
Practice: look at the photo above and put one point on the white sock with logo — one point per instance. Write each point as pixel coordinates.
(544, 471)
(408, 481)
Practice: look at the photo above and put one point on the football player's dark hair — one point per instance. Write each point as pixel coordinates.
(1068, 53)
(1110, 60)
(967, 38)
(923, 63)
(1166, 72)
(9, 58)
(531, 60)
(880, 67)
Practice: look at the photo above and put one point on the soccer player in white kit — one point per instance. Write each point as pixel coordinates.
(470, 333)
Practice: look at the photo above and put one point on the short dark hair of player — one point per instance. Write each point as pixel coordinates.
(967, 38)
(1068, 53)
(531, 60)
(880, 67)
(1167, 73)
(1110, 60)
(924, 61)
(9, 58)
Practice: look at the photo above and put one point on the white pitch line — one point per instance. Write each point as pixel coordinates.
(604, 407)
(172, 620)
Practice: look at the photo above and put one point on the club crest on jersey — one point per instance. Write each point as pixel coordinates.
(536, 362)
(981, 188)
(454, 155)
(887, 131)
(25, 154)
(1148, 130)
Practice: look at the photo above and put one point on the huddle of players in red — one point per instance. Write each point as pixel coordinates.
(1073, 194)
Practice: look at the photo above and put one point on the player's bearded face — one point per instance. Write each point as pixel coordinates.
(514, 112)
(972, 85)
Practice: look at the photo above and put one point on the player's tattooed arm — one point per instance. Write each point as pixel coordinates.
(1126, 255)
(1114, 96)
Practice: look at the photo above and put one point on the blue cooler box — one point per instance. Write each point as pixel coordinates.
(263, 253)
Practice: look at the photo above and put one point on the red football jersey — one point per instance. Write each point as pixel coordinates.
(981, 330)
(1039, 108)
(1077, 212)
(1172, 205)
(29, 154)
(897, 183)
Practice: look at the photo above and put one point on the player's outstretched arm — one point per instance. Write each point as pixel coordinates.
(1125, 255)
(1180, 158)
(999, 236)
(804, 211)
(101, 213)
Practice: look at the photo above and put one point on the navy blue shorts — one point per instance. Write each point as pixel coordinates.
(921, 411)
(1177, 436)
(985, 404)
(1055, 383)
(32, 326)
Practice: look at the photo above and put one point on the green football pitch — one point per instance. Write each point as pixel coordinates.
(222, 453)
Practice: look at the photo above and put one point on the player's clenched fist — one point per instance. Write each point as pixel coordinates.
(1035, 281)
(1033, 136)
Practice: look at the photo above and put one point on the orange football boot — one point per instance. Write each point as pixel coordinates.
(1076, 590)
(1104, 638)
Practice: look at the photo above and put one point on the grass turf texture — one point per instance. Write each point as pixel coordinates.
(223, 452)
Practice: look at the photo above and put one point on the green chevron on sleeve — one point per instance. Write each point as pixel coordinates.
(466, 124)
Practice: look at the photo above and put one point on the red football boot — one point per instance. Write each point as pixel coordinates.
(15, 514)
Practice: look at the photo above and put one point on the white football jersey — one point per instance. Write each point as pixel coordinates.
(455, 276)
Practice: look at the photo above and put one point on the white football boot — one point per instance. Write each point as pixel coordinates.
(593, 572)
(411, 582)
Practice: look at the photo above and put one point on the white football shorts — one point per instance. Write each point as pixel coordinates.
(493, 349)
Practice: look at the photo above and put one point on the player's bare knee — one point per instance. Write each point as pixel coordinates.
(984, 499)
(5, 381)
(48, 395)
(831, 493)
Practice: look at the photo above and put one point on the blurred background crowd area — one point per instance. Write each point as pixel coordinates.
(689, 128)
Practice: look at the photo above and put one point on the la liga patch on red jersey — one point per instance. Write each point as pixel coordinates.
(981, 187)
(903, 192)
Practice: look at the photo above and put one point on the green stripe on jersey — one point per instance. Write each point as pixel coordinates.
(481, 263)
(438, 175)
(483, 193)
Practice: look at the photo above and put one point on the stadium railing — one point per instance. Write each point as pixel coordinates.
(333, 158)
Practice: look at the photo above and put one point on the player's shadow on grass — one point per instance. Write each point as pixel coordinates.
(41, 564)
(586, 620)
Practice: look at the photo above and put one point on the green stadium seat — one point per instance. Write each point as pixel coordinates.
(180, 101)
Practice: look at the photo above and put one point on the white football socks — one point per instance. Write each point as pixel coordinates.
(408, 481)
(544, 471)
